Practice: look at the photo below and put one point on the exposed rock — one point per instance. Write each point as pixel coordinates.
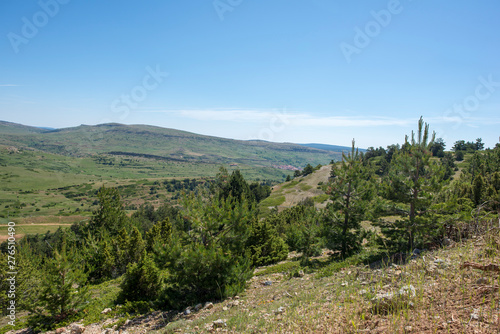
(267, 283)
(219, 323)
(301, 273)
(106, 311)
(386, 302)
(198, 307)
(475, 315)
(482, 280)
(187, 311)
(61, 330)
(208, 305)
(442, 264)
(408, 291)
(77, 329)
(280, 310)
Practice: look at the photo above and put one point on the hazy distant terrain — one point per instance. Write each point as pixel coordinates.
(57, 172)
(163, 144)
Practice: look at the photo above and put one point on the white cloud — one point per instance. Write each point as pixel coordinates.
(239, 115)
(297, 119)
(301, 119)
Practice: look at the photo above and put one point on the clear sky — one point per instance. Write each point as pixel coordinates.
(323, 71)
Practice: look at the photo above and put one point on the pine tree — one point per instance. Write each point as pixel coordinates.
(63, 290)
(109, 218)
(477, 189)
(135, 247)
(350, 191)
(213, 262)
(413, 179)
(265, 244)
(161, 243)
(308, 237)
(142, 280)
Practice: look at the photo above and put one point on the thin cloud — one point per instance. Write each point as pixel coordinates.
(354, 121)
(9, 85)
(241, 115)
(310, 120)
(471, 121)
(297, 119)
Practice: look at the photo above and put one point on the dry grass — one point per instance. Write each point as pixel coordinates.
(301, 188)
(448, 299)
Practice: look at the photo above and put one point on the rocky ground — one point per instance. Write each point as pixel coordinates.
(450, 290)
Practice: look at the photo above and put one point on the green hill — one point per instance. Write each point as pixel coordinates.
(160, 143)
(333, 148)
(8, 128)
(288, 194)
(47, 172)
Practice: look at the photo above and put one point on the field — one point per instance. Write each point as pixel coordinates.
(49, 173)
(35, 183)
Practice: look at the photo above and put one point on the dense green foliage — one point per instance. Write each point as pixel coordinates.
(63, 290)
(351, 188)
(206, 247)
(412, 181)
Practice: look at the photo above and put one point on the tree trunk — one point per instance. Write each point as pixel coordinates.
(346, 221)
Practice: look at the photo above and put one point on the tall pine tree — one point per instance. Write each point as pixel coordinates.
(63, 289)
(350, 190)
(413, 179)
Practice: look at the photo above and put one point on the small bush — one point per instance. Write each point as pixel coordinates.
(142, 281)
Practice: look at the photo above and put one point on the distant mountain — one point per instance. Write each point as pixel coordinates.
(151, 142)
(14, 128)
(332, 148)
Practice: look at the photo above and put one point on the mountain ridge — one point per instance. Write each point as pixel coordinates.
(85, 140)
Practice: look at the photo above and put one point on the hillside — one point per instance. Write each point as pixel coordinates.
(439, 291)
(14, 128)
(57, 172)
(162, 144)
(333, 148)
(291, 193)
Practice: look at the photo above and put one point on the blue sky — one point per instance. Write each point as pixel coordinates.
(320, 71)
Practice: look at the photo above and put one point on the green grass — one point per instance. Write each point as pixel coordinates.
(321, 198)
(272, 201)
(33, 229)
(35, 183)
(166, 144)
(304, 187)
(285, 267)
(290, 184)
(59, 172)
